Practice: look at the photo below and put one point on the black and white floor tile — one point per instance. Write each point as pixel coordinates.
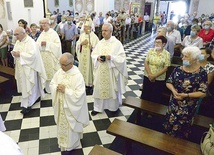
(36, 133)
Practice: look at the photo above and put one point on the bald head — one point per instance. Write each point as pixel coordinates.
(20, 33)
(66, 61)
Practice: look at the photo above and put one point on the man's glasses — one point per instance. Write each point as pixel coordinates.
(65, 65)
(16, 34)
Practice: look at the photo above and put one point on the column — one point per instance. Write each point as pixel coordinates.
(47, 12)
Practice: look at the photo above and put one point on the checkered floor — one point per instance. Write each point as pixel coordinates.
(35, 133)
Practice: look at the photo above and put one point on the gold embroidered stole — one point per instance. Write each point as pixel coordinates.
(63, 126)
(104, 76)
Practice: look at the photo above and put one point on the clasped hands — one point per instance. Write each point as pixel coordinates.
(60, 88)
(151, 77)
(179, 96)
(15, 53)
(43, 43)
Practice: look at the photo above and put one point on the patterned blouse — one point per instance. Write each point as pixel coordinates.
(36, 36)
(209, 68)
(157, 62)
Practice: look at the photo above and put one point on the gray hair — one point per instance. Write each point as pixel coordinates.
(171, 23)
(163, 29)
(69, 56)
(110, 27)
(193, 51)
(196, 27)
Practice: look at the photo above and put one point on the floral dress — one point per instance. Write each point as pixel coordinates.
(180, 113)
(36, 36)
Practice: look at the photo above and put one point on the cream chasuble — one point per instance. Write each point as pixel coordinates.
(110, 77)
(51, 52)
(84, 56)
(29, 71)
(70, 108)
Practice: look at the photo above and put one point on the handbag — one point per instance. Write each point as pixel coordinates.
(207, 142)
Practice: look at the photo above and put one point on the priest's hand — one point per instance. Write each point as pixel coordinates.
(15, 53)
(43, 43)
(108, 57)
(84, 42)
(61, 88)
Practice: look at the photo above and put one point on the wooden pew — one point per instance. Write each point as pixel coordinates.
(99, 150)
(7, 70)
(159, 109)
(135, 133)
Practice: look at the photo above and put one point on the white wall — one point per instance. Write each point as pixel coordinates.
(206, 7)
(103, 6)
(31, 15)
(63, 6)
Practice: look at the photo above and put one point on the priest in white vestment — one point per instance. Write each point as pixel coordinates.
(50, 47)
(69, 103)
(110, 72)
(29, 70)
(84, 46)
(8, 146)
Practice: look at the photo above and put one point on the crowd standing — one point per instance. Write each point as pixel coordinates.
(45, 56)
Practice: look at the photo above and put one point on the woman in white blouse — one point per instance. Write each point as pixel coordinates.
(193, 39)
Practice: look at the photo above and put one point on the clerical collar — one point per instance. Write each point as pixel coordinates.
(24, 39)
(108, 39)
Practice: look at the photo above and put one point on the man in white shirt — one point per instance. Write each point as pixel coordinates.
(128, 26)
(173, 33)
(146, 19)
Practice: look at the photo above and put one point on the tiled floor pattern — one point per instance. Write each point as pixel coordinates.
(35, 133)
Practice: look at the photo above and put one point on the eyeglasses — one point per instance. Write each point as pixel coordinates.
(65, 65)
(158, 42)
(16, 34)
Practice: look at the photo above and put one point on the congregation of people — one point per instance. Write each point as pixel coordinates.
(70, 57)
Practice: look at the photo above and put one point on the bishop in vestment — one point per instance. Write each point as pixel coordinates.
(69, 103)
(110, 72)
(84, 47)
(50, 47)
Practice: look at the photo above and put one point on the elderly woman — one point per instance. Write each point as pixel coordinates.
(156, 64)
(193, 39)
(34, 33)
(3, 46)
(207, 33)
(187, 83)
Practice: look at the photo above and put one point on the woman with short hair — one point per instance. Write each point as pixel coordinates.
(193, 39)
(187, 83)
(207, 33)
(34, 33)
(156, 63)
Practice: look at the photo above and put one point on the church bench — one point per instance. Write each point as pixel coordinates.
(160, 110)
(134, 133)
(7, 70)
(99, 150)
(3, 79)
